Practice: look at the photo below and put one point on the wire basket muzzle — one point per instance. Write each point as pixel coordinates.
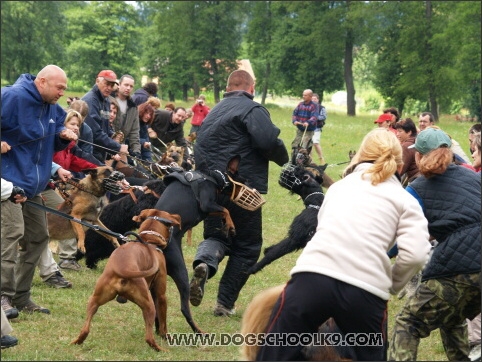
(245, 197)
(287, 178)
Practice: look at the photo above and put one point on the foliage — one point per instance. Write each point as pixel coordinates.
(412, 52)
(102, 35)
(431, 70)
(201, 52)
(32, 36)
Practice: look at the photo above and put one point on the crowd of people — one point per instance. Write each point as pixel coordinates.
(109, 123)
(416, 178)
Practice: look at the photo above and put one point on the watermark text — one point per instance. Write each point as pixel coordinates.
(275, 339)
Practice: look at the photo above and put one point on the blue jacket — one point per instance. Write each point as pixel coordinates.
(451, 204)
(98, 120)
(31, 127)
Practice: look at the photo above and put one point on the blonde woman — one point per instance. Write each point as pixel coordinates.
(344, 271)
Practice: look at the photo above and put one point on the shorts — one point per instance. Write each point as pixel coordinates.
(316, 136)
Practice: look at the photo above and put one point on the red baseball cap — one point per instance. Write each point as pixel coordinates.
(108, 75)
(383, 118)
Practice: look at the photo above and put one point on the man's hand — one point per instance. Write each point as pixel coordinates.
(5, 147)
(69, 135)
(123, 149)
(152, 133)
(18, 195)
(64, 174)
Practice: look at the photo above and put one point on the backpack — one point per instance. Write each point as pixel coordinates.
(321, 117)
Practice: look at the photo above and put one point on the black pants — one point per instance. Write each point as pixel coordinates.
(309, 299)
(243, 249)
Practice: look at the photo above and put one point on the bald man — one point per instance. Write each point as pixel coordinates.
(236, 126)
(305, 118)
(32, 125)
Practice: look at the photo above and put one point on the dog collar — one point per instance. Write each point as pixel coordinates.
(312, 205)
(150, 232)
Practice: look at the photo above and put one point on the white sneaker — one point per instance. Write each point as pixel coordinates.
(474, 354)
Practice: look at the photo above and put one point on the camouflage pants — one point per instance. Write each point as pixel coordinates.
(442, 303)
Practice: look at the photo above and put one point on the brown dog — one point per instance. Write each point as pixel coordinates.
(255, 321)
(137, 271)
(85, 203)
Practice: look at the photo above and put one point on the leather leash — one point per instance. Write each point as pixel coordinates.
(74, 219)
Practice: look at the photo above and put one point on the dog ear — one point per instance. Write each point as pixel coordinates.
(142, 216)
(233, 164)
(176, 220)
(90, 171)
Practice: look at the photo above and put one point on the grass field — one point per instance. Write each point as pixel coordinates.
(118, 331)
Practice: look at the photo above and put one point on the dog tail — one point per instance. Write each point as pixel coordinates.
(256, 318)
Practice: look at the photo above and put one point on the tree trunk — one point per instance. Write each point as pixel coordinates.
(216, 87)
(350, 86)
(432, 94)
(196, 90)
(185, 90)
(265, 84)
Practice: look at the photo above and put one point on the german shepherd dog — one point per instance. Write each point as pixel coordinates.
(137, 271)
(194, 201)
(302, 158)
(85, 202)
(117, 216)
(302, 182)
(255, 321)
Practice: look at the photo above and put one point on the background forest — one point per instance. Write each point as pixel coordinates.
(414, 55)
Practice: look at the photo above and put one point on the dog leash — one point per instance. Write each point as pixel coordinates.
(74, 219)
(338, 164)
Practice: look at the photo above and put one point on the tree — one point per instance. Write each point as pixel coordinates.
(418, 54)
(102, 35)
(202, 51)
(32, 36)
(462, 32)
(306, 56)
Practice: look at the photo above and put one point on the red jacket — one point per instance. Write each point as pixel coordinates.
(199, 113)
(69, 161)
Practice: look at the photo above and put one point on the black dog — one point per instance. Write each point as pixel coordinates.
(117, 216)
(303, 183)
(193, 201)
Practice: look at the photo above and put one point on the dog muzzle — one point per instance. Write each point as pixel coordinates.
(245, 197)
(287, 178)
(112, 183)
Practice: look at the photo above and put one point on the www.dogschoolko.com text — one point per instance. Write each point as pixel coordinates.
(275, 339)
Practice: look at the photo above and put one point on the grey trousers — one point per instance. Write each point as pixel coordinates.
(28, 230)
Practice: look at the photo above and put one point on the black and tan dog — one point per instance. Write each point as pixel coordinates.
(302, 158)
(193, 201)
(117, 216)
(137, 272)
(300, 181)
(85, 203)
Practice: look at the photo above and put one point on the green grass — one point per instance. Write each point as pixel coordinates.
(117, 331)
